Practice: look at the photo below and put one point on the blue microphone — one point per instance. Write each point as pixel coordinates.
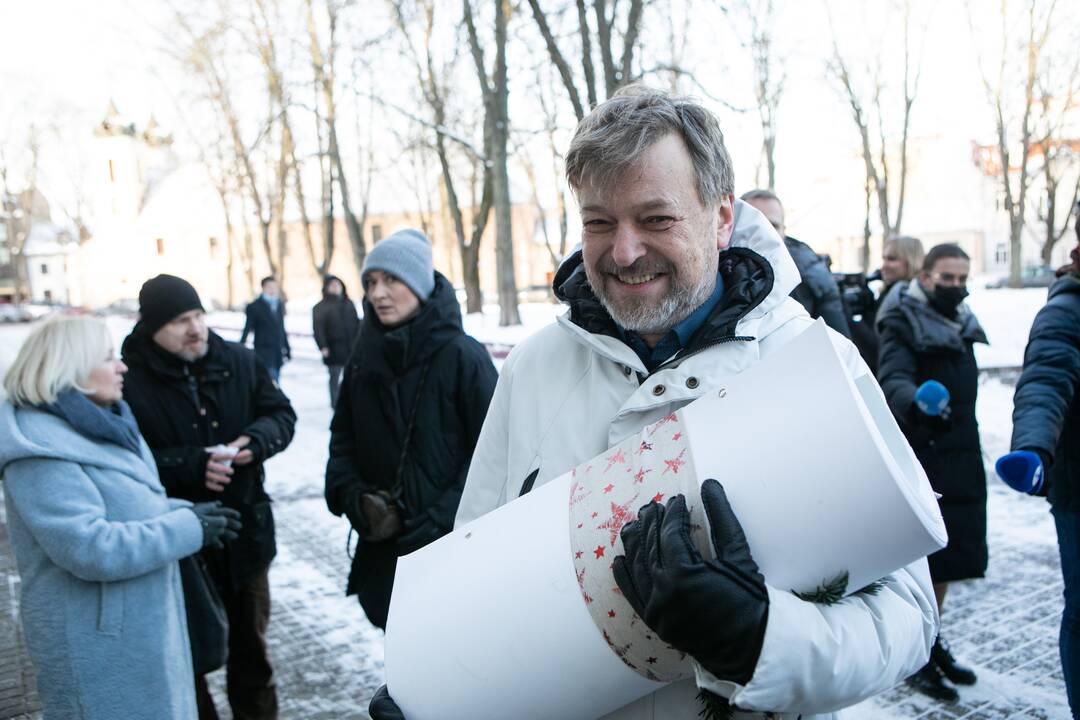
(1022, 471)
(932, 398)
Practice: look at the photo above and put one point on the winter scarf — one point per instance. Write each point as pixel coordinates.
(114, 424)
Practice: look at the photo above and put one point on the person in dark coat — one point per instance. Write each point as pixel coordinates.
(927, 334)
(1046, 421)
(336, 324)
(265, 320)
(413, 398)
(817, 292)
(212, 415)
(901, 258)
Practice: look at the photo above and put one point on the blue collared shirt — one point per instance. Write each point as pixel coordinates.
(678, 336)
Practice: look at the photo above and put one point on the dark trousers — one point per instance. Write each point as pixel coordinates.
(1068, 532)
(248, 675)
(335, 383)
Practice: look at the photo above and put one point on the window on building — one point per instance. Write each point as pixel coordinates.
(160, 246)
(1001, 254)
(48, 296)
(44, 268)
(376, 233)
(112, 175)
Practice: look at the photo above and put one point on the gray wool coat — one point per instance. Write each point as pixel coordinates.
(96, 541)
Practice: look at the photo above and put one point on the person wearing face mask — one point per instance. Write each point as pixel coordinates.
(413, 397)
(927, 335)
(95, 537)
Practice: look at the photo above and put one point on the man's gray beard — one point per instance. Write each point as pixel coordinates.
(649, 319)
(193, 355)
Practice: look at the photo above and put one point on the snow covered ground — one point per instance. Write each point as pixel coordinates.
(329, 659)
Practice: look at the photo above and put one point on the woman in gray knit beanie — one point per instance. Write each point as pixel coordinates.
(398, 276)
(413, 398)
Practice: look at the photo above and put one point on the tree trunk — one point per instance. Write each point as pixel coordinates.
(504, 241)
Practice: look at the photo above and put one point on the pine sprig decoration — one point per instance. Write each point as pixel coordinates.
(829, 592)
(873, 588)
(713, 706)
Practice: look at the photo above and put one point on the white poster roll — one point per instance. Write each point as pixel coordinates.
(517, 615)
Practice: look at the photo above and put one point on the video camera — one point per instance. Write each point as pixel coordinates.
(855, 292)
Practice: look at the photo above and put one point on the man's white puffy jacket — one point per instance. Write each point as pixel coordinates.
(567, 394)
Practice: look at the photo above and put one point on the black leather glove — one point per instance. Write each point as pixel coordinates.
(383, 707)
(714, 610)
(219, 523)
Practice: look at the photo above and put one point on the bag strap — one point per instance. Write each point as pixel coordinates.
(411, 424)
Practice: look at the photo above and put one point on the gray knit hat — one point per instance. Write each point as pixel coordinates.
(407, 256)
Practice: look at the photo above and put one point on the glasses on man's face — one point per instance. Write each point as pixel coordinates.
(947, 278)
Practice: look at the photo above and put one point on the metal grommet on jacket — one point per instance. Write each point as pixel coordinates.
(692, 382)
(658, 390)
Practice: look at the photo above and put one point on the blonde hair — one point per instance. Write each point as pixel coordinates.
(911, 250)
(56, 356)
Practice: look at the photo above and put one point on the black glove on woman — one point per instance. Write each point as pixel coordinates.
(383, 707)
(713, 610)
(219, 523)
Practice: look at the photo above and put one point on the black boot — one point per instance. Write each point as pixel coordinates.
(929, 681)
(941, 656)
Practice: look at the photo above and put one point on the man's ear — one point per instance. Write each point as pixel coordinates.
(725, 211)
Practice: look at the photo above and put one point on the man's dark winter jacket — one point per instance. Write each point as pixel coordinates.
(429, 364)
(268, 326)
(336, 324)
(919, 344)
(817, 292)
(183, 408)
(1046, 414)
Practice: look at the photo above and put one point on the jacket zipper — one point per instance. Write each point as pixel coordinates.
(679, 358)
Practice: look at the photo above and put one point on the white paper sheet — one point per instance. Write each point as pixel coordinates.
(488, 622)
(815, 468)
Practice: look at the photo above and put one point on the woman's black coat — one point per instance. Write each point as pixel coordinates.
(429, 364)
(1046, 407)
(336, 324)
(917, 344)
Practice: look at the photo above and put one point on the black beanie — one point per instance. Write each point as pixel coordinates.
(163, 298)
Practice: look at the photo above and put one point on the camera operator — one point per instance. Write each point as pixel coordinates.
(901, 259)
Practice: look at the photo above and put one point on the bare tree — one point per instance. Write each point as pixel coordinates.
(494, 88)
(433, 84)
(323, 62)
(1016, 137)
(871, 118)
(617, 63)
(20, 207)
(759, 16)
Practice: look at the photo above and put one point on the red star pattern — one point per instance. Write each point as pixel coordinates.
(599, 551)
(578, 554)
(620, 515)
(611, 613)
(662, 422)
(595, 514)
(676, 437)
(617, 457)
(674, 464)
(644, 447)
(588, 599)
(658, 497)
(639, 476)
(609, 488)
(581, 576)
(577, 493)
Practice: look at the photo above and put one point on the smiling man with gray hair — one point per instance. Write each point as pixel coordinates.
(677, 287)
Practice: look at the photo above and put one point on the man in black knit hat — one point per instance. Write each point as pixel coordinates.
(212, 416)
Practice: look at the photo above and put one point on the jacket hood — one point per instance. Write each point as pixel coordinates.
(930, 329)
(1064, 285)
(28, 432)
(408, 344)
(756, 267)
